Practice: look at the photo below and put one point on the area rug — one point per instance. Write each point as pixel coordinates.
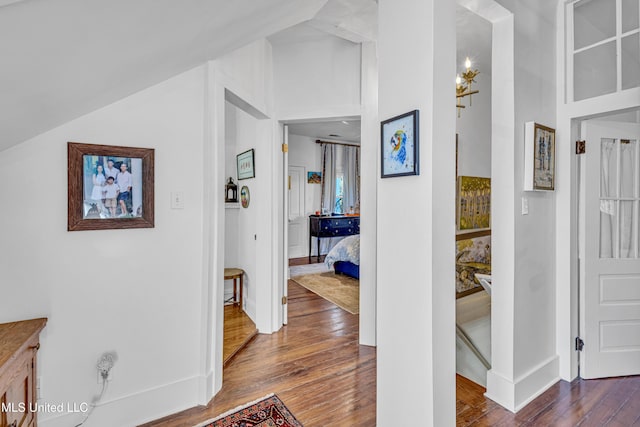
(343, 291)
(301, 270)
(266, 412)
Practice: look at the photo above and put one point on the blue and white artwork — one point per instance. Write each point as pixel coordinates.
(399, 145)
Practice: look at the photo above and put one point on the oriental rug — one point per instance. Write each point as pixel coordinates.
(266, 412)
(343, 291)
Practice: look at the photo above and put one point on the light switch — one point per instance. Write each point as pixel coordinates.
(177, 200)
(525, 206)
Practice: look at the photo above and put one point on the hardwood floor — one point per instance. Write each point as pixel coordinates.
(239, 330)
(315, 365)
(611, 402)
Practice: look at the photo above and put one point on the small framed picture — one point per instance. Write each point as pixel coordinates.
(109, 187)
(399, 141)
(540, 157)
(245, 163)
(314, 177)
(245, 196)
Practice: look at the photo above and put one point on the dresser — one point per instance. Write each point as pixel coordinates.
(19, 343)
(331, 226)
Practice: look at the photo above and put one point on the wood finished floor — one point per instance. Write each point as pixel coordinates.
(609, 402)
(315, 365)
(239, 330)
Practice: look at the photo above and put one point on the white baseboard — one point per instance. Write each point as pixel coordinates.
(135, 409)
(515, 395)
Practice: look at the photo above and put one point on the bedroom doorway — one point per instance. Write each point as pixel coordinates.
(314, 194)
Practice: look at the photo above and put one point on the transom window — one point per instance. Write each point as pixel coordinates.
(605, 46)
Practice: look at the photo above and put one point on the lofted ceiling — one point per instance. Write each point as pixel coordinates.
(64, 58)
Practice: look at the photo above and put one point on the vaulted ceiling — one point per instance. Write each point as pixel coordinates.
(61, 59)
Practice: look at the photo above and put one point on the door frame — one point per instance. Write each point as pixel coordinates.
(569, 114)
(568, 307)
(367, 317)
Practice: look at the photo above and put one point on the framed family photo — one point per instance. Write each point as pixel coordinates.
(109, 187)
(540, 157)
(246, 167)
(399, 143)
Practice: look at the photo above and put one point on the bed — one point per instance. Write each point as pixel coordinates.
(344, 257)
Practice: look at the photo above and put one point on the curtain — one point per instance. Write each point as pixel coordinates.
(616, 216)
(328, 195)
(351, 173)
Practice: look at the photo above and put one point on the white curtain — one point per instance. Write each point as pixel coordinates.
(616, 216)
(351, 172)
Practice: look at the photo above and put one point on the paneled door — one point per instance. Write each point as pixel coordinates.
(297, 219)
(610, 250)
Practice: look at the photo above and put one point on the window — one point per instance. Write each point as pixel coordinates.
(605, 47)
(339, 194)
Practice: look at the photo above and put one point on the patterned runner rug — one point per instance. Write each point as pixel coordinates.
(265, 412)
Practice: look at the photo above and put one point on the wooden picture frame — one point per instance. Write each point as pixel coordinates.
(473, 255)
(540, 157)
(399, 140)
(90, 203)
(246, 164)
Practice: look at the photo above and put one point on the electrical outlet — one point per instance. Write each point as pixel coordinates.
(105, 366)
(109, 376)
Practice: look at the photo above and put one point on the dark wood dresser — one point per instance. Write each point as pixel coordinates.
(331, 226)
(19, 343)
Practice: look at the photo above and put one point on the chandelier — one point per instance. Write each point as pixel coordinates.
(464, 89)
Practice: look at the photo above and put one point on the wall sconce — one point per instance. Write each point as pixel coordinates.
(231, 192)
(464, 89)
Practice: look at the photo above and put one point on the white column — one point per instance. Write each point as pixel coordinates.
(416, 227)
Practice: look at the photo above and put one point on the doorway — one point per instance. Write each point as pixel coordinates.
(305, 190)
(473, 225)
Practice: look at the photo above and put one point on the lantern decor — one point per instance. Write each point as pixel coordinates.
(231, 192)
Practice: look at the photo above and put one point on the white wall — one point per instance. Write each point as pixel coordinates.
(303, 151)
(136, 292)
(317, 77)
(415, 230)
(535, 359)
(474, 131)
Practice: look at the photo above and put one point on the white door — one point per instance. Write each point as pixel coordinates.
(298, 238)
(609, 250)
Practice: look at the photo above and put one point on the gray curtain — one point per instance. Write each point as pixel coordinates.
(351, 171)
(328, 200)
